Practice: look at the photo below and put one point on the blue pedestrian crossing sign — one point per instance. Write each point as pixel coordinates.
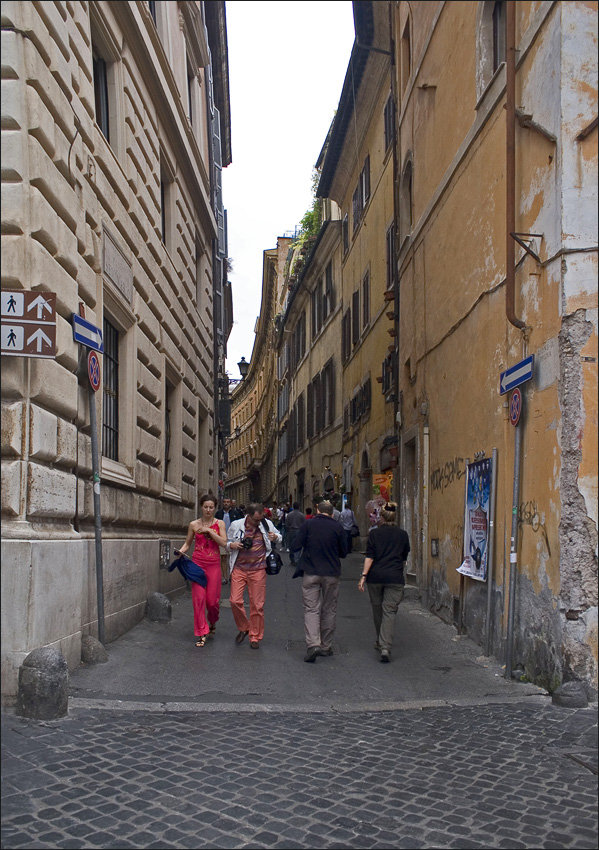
(87, 334)
(516, 375)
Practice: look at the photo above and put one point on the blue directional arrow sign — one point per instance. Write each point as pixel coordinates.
(516, 375)
(87, 334)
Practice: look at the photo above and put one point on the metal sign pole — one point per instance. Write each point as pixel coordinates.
(490, 551)
(97, 512)
(513, 552)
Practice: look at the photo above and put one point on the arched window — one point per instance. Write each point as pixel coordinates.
(406, 199)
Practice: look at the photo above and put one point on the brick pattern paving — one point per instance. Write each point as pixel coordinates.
(493, 776)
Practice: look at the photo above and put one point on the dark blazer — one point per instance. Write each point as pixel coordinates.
(189, 570)
(323, 542)
(234, 514)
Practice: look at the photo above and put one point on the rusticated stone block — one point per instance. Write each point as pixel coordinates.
(11, 488)
(51, 493)
(12, 418)
(570, 695)
(42, 434)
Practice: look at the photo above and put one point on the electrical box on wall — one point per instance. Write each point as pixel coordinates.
(164, 554)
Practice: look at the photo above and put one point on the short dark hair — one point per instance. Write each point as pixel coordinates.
(208, 497)
(296, 506)
(255, 508)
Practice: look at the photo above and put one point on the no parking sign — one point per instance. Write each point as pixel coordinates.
(93, 370)
(515, 406)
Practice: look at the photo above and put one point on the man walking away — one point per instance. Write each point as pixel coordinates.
(293, 522)
(348, 521)
(324, 544)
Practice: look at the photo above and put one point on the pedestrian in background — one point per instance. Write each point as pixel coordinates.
(228, 514)
(207, 535)
(348, 522)
(387, 549)
(323, 544)
(249, 543)
(293, 522)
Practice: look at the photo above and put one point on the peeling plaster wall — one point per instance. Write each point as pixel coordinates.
(455, 338)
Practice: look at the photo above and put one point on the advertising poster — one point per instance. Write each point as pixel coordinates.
(382, 490)
(476, 519)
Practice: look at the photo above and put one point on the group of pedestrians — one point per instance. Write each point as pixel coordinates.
(232, 546)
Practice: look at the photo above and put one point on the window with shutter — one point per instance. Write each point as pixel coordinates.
(318, 425)
(345, 233)
(346, 335)
(301, 418)
(346, 419)
(366, 300)
(329, 287)
(365, 183)
(310, 410)
(355, 317)
(356, 207)
(331, 392)
(389, 121)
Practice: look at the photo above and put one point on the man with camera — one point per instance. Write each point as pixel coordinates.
(249, 543)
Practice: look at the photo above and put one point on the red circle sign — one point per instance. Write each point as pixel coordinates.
(93, 370)
(515, 406)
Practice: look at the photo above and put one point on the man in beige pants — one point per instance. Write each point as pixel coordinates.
(322, 543)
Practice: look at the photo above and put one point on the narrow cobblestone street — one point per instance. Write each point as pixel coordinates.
(168, 747)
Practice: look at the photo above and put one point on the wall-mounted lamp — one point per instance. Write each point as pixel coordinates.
(243, 367)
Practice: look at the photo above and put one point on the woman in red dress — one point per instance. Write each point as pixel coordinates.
(208, 535)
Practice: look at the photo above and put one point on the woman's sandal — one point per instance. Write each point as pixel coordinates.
(212, 628)
(201, 641)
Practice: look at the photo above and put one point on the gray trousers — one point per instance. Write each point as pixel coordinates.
(320, 594)
(385, 599)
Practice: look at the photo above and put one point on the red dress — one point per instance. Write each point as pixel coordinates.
(206, 554)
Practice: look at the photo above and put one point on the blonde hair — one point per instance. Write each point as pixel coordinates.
(389, 513)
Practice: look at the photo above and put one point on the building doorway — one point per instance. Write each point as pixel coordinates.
(409, 505)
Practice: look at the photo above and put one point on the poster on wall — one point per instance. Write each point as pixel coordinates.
(382, 490)
(476, 519)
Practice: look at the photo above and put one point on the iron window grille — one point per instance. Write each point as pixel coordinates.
(110, 397)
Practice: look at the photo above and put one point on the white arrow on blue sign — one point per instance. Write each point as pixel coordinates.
(87, 334)
(516, 375)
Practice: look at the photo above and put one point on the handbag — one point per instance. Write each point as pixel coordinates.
(274, 562)
(355, 531)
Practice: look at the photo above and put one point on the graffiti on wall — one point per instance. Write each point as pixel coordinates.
(528, 514)
(445, 475)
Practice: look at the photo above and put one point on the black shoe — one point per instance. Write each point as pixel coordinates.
(312, 653)
(325, 653)
(385, 655)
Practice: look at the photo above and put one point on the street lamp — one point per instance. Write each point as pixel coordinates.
(243, 367)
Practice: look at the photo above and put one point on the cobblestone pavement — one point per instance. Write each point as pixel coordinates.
(515, 775)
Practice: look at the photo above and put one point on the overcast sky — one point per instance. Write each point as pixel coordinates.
(287, 63)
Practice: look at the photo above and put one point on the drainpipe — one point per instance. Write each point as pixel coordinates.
(510, 167)
(425, 478)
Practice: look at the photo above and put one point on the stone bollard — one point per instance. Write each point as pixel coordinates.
(92, 651)
(43, 685)
(570, 695)
(159, 608)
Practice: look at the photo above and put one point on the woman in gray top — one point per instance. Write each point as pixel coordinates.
(386, 552)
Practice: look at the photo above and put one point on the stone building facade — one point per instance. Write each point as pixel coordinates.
(115, 128)
(461, 129)
(251, 447)
(474, 302)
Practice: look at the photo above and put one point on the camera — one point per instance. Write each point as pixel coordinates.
(247, 542)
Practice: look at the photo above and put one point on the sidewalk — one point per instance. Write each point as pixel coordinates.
(170, 746)
(430, 665)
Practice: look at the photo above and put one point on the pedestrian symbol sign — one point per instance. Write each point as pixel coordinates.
(29, 324)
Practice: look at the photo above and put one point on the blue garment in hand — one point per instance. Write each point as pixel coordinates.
(189, 570)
